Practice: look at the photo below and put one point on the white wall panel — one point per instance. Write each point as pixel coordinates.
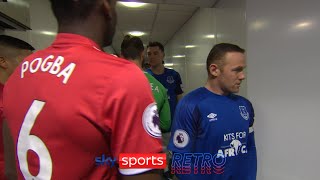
(226, 24)
(176, 48)
(283, 84)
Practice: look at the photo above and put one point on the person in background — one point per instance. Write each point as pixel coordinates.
(132, 49)
(12, 52)
(213, 126)
(77, 109)
(169, 78)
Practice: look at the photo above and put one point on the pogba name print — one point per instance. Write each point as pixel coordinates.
(50, 64)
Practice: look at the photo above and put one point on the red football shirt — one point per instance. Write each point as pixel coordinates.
(1, 138)
(70, 103)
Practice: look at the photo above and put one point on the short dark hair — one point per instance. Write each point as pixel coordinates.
(131, 47)
(218, 52)
(15, 43)
(156, 44)
(69, 10)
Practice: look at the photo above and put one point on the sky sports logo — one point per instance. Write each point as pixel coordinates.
(106, 161)
(129, 160)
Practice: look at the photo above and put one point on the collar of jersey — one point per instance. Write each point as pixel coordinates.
(164, 72)
(72, 39)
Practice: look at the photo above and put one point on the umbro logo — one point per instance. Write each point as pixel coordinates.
(212, 117)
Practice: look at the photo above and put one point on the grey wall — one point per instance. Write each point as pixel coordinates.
(283, 84)
(281, 39)
(227, 24)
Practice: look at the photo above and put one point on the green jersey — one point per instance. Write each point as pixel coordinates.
(161, 98)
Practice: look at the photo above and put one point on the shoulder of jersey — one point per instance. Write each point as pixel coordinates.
(96, 59)
(240, 98)
(172, 71)
(195, 96)
(105, 55)
(154, 80)
(85, 51)
(108, 60)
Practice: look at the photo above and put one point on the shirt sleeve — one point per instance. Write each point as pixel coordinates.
(133, 117)
(178, 89)
(251, 141)
(183, 131)
(164, 112)
(252, 152)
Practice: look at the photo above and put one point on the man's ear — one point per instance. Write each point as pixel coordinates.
(142, 56)
(214, 70)
(3, 63)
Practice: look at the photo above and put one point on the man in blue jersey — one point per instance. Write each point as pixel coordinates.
(169, 78)
(212, 134)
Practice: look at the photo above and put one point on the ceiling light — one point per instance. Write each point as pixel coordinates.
(179, 56)
(211, 36)
(136, 33)
(168, 64)
(132, 4)
(50, 33)
(303, 24)
(190, 46)
(257, 25)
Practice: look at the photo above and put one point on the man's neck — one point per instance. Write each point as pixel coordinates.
(157, 69)
(138, 63)
(96, 37)
(214, 87)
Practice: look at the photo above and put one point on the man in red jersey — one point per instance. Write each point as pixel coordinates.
(12, 52)
(79, 102)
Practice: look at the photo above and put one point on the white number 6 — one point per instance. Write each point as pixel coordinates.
(31, 142)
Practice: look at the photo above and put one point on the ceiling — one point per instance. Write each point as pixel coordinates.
(158, 19)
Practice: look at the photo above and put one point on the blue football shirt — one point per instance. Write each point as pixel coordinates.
(212, 137)
(171, 80)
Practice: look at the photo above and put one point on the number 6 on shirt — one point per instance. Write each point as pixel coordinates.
(31, 142)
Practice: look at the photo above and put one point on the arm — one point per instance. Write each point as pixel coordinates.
(164, 112)
(178, 89)
(134, 119)
(183, 134)
(184, 124)
(251, 140)
(252, 152)
(9, 153)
